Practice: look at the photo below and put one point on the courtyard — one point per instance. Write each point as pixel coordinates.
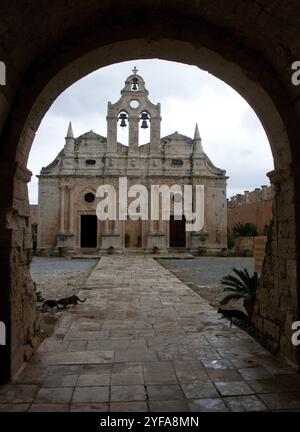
(145, 341)
(59, 277)
(203, 274)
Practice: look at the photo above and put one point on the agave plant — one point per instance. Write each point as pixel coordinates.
(244, 230)
(242, 286)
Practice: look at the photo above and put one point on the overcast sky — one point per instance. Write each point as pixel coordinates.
(232, 135)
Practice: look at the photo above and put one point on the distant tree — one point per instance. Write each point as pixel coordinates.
(244, 230)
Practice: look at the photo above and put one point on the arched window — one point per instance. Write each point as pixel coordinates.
(135, 86)
(123, 130)
(145, 127)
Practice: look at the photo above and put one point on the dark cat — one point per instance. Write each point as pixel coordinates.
(72, 300)
(50, 304)
(233, 313)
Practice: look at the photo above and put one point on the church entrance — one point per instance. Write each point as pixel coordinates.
(177, 232)
(88, 231)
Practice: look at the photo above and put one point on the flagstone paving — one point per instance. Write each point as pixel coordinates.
(144, 341)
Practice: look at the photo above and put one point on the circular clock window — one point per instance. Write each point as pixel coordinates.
(89, 197)
(134, 103)
(177, 198)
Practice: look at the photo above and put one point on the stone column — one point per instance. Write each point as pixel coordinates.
(155, 162)
(116, 227)
(151, 226)
(161, 225)
(106, 226)
(112, 125)
(151, 223)
(62, 209)
(133, 134)
(155, 135)
(71, 209)
(277, 305)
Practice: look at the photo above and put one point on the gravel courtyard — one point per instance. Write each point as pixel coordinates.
(58, 277)
(204, 274)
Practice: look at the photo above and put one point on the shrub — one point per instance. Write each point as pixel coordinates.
(241, 287)
(244, 230)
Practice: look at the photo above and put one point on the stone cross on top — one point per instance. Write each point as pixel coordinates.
(135, 70)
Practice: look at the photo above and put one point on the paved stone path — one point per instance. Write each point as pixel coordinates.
(144, 341)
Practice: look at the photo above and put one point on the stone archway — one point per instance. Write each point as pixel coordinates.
(202, 35)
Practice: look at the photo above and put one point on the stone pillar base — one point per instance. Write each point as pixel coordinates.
(65, 243)
(156, 240)
(110, 241)
(199, 243)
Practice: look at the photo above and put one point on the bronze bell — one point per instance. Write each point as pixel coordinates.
(135, 82)
(144, 118)
(123, 117)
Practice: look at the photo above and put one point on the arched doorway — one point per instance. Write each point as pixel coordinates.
(177, 232)
(169, 34)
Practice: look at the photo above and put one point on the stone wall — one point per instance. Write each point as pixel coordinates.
(49, 225)
(278, 298)
(251, 207)
(17, 305)
(259, 252)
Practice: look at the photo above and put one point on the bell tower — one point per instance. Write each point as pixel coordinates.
(133, 111)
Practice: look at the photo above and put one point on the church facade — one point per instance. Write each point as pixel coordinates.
(68, 186)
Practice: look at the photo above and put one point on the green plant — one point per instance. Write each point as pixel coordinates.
(127, 240)
(241, 287)
(244, 230)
